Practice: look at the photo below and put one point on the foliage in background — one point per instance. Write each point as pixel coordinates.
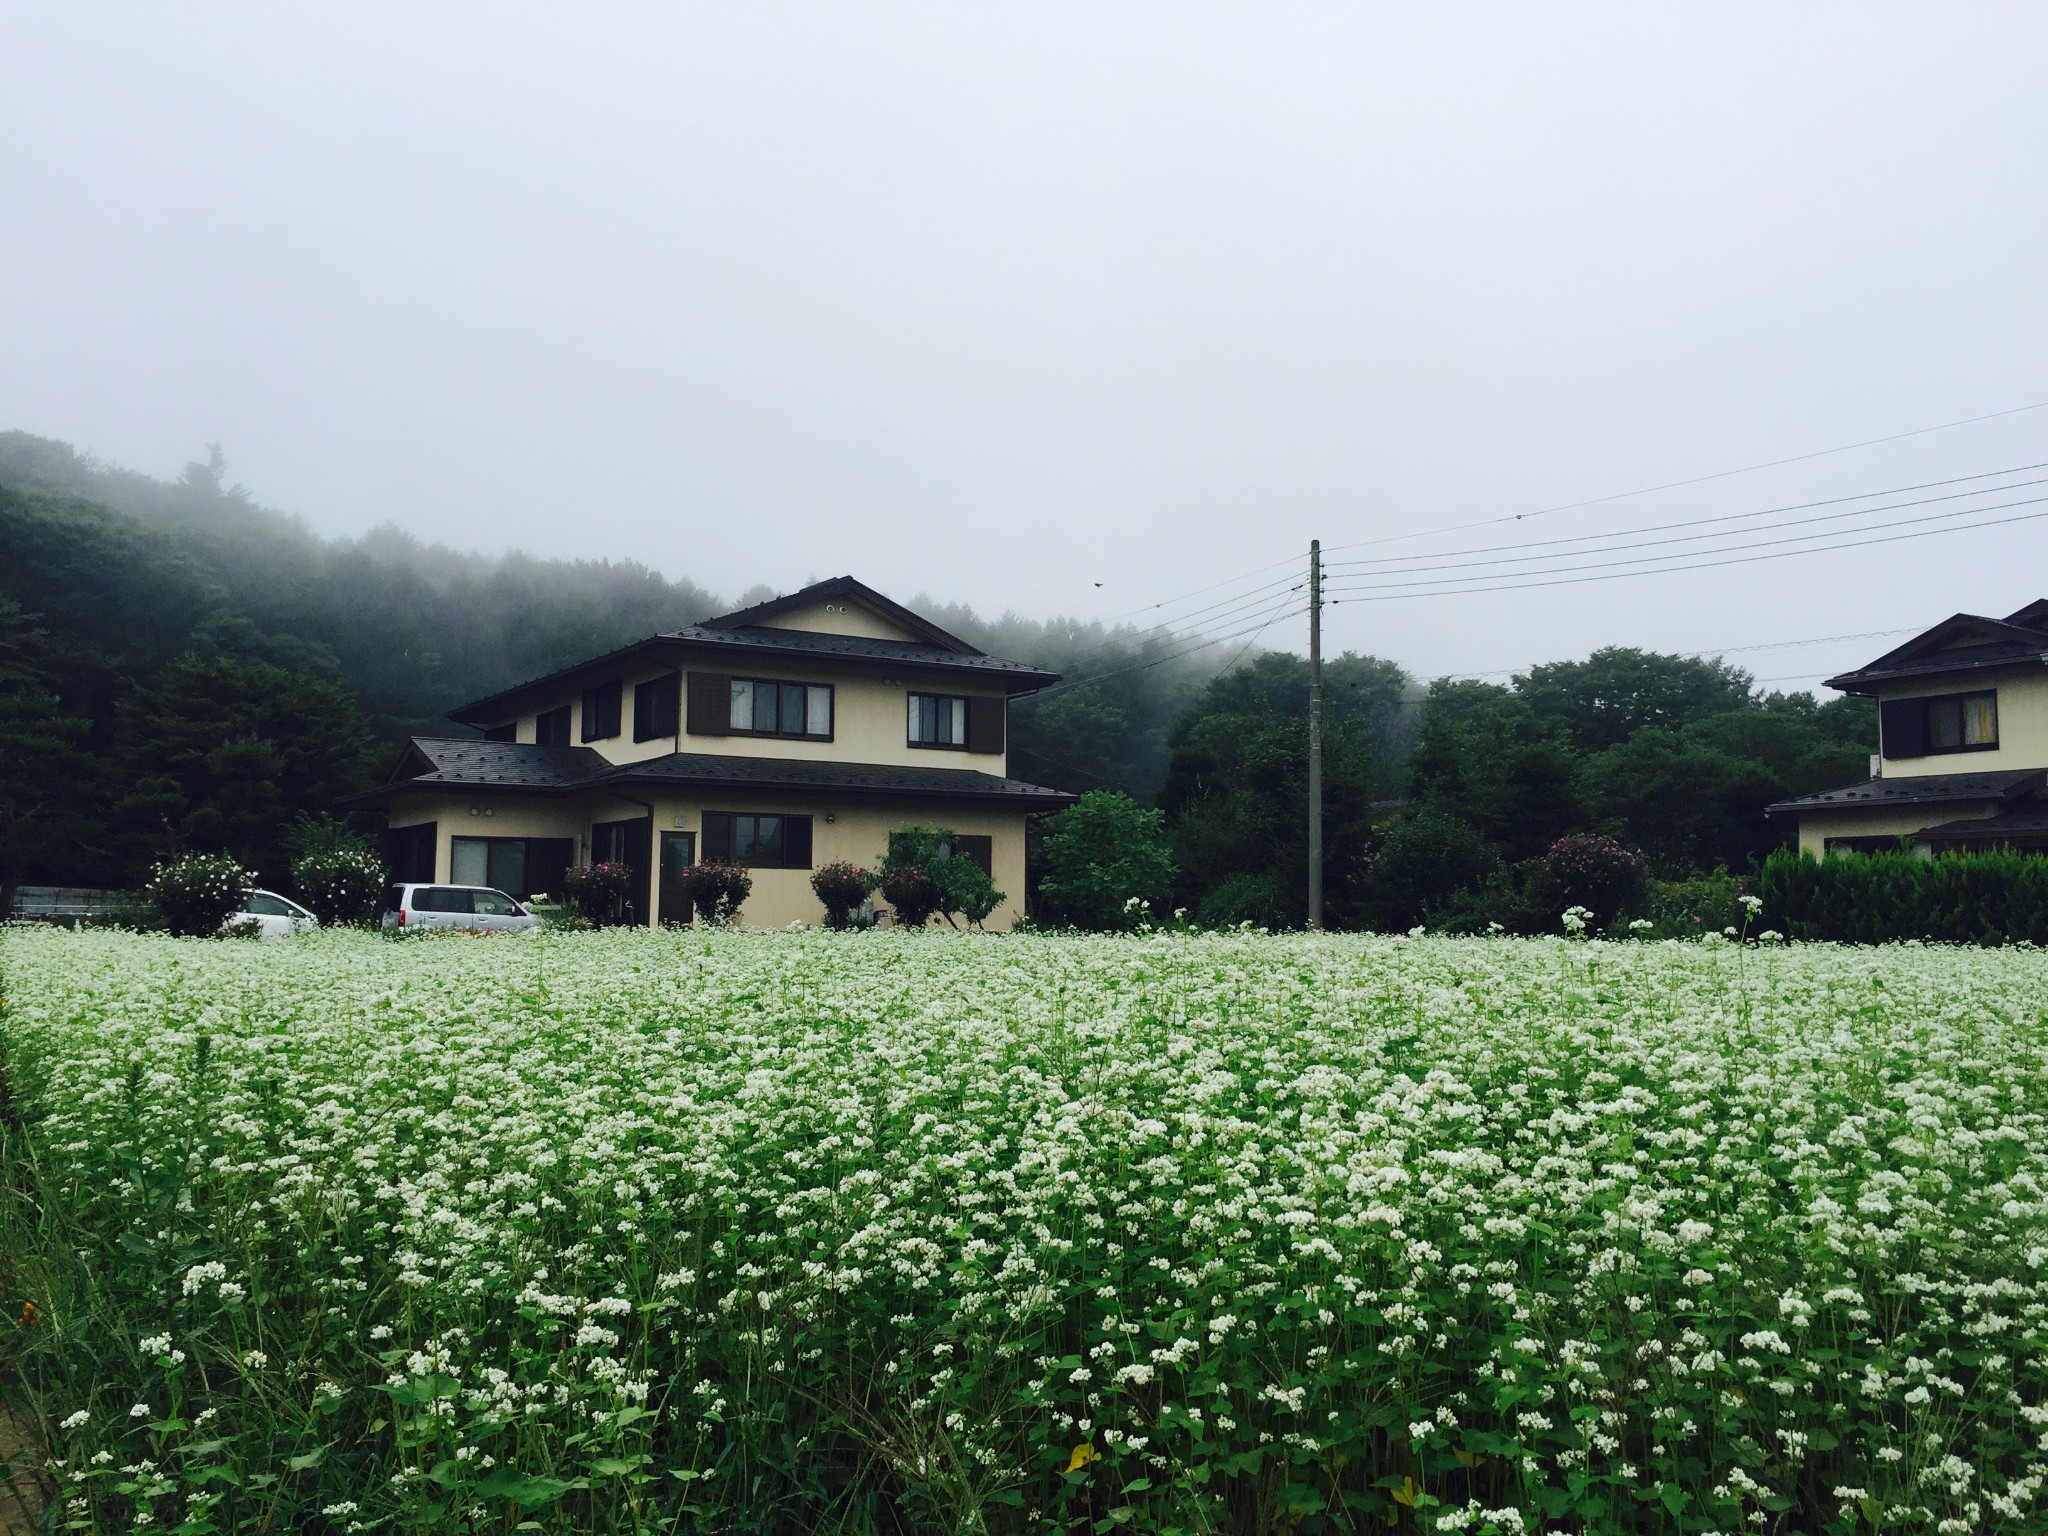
(599, 891)
(336, 871)
(1236, 803)
(1100, 855)
(761, 1233)
(1423, 865)
(1586, 869)
(922, 877)
(841, 887)
(717, 890)
(1998, 897)
(1691, 909)
(196, 892)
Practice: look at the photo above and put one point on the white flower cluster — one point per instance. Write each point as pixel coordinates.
(1552, 1232)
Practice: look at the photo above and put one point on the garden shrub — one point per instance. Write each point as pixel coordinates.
(1107, 861)
(1587, 869)
(1422, 864)
(196, 892)
(1695, 907)
(841, 887)
(600, 891)
(1242, 898)
(922, 877)
(717, 890)
(1993, 897)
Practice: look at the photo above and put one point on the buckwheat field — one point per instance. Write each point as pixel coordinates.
(929, 1233)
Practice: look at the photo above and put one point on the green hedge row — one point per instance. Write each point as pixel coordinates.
(1964, 898)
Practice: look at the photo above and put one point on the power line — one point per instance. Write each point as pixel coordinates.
(1672, 485)
(1728, 517)
(1070, 684)
(1797, 538)
(1694, 538)
(1709, 564)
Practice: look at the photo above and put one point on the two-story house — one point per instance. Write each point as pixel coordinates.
(1963, 743)
(784, 736)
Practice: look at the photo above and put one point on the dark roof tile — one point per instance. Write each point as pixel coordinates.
(1921, 789)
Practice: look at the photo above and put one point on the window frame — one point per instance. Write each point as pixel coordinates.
(965, 710)
(720, 831)
(1922, 707)
(831, 691)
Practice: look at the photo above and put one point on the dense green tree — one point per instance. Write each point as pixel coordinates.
(1602, 701)
(1100, 856)
(1422, 864)
(46, 772)
(1236, 801)
(1499, 770)
(245, 747)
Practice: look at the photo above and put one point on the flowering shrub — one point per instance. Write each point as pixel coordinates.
(912, 894)
(340, 885)
(842, 887)
(923, 875)
(717, 889)
(1224, 1233)
(197, 892)
(599, 891)
(1587, 870)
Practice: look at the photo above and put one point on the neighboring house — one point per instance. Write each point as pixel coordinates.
(1963, 731)
(788, 735)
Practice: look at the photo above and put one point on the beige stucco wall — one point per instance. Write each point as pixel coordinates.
(841, 617)
(1816, 828)
(858, 833)
(869, 723)
(2022, 724)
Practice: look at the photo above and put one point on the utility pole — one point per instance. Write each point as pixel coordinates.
(1315, 735)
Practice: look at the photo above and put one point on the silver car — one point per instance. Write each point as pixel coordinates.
(411, 908)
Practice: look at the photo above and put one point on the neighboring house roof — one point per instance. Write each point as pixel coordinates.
(2028, 823)
(1963, 642)
(742, 635)
(1921, 789)
(497, 766)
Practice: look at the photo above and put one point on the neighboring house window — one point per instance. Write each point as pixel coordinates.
(1949, 722)
(762, 708)
(657, 706)
(772, 841)
(938, 720)
(551, 728)
(509, 731)
(601, 711)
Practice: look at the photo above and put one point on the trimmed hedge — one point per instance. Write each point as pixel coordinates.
(1998, 897)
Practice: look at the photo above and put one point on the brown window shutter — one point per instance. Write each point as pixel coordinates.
(985, 724)
(796, 842)
(710, 704)
(1903, 724)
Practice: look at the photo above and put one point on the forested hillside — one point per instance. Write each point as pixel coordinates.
(183, 668)
(144, 623)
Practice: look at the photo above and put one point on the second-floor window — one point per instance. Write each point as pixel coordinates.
(761, 708)
(657, 704)
(1948, 722)
(938, 720)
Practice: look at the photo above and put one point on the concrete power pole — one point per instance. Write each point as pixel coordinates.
(1315, 735)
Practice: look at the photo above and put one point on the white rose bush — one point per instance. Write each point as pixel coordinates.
(937, 1232)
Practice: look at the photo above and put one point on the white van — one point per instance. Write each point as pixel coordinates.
(274, 916)
(472, 908)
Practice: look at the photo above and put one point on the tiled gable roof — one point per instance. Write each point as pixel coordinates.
(1921, 789)
(1962, 642)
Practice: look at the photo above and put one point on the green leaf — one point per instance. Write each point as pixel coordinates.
(199, 1477)
(311, 1459)
(1674, 1498)
(527, 1492)
(616, 1466)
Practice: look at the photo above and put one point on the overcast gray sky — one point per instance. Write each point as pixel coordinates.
(1067, 309)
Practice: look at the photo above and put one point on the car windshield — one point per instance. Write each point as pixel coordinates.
(496, 904)
(263, 904)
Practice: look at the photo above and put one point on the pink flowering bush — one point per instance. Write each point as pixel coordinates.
(1586, 869)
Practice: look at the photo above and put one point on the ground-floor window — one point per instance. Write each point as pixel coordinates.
(760, 840)
(518, 866)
